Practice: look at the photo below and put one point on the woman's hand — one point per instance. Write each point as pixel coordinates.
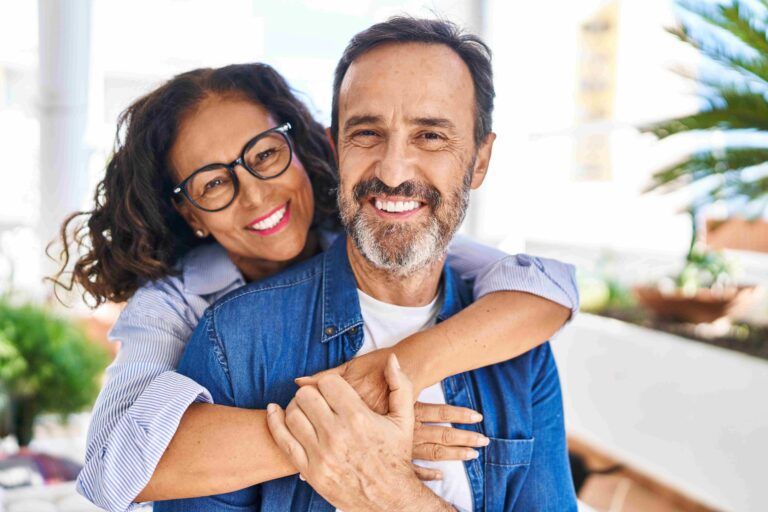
(430, 442)
(366, 375)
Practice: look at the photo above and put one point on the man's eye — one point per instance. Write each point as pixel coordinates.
(431, 136)
(365, 133)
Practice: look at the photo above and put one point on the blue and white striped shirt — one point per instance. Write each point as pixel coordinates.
(143, 399)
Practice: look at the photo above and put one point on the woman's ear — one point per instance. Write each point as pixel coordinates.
(190, 217)
(483, 160)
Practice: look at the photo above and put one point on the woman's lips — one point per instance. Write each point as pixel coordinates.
(272, 222)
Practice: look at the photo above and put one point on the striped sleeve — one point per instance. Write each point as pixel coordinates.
(492, 270)
(142, 401)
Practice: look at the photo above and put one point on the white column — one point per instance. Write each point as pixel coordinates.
(64, 52)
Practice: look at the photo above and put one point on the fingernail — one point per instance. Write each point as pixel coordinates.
(438, 475)
(476, 416)
(483, 441)
(471, 454)
(301, 477)
(271, 408)
(397, 363)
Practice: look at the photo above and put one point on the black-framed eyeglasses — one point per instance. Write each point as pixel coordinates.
(215, 186)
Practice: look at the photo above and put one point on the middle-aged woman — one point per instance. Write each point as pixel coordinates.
(221, 177)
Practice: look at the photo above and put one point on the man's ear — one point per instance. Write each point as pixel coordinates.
(483, 160)
(329, 136)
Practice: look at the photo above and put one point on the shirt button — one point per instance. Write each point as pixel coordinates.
(523, 260)
(330, 330)
(353, 330)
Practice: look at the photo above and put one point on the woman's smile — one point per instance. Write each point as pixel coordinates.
(273, 222)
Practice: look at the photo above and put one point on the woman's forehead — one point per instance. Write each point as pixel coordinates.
(216, 131)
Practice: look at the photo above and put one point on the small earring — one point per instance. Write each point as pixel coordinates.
(200, 233)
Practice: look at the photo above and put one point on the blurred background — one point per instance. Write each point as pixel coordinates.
(631, 142)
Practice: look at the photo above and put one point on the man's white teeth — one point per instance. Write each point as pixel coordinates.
(396, 206)
(270, 221)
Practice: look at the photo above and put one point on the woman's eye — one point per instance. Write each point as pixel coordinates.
(265, 155)
(213, 184)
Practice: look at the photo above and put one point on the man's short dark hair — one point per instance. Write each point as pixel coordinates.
(404, 29)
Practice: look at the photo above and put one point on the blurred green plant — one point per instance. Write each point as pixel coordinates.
(736, 42)
(47, 365)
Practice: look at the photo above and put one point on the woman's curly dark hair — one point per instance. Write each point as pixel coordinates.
(133, 234)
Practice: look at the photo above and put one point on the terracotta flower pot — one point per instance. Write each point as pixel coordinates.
(704, 307)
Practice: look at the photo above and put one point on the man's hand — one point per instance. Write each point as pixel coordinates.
(430, 442)
(356, 459)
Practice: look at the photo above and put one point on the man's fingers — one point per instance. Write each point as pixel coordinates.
(284, 439)
(448, 436)
(300, 427)
(430, 451)
(316, 409)
(427, 474)
(400, 390)
(444, 413)
(313, 379)
(342, 397)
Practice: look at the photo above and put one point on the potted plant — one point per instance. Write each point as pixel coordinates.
(47, 364)
(736, 43)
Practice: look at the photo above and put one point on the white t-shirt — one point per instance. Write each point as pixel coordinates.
(385, 325)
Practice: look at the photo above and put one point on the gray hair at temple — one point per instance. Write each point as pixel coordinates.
(404, 29)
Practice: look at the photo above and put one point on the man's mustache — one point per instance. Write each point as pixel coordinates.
(411, 189)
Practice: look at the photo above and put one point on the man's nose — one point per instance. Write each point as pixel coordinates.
(396, 165)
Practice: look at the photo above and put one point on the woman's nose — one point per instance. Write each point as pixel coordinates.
(253, 191)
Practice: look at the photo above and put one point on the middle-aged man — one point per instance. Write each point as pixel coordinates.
(412, 127)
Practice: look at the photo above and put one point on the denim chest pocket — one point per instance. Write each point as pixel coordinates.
(506, 466)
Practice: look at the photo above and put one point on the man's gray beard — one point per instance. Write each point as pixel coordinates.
(400, 249)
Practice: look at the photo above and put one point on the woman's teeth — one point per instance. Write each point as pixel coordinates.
(270, 221)
(396, 206)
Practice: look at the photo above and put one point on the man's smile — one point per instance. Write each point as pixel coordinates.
(395, 207)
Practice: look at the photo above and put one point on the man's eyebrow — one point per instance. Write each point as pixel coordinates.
(434, 122)
(362, 119)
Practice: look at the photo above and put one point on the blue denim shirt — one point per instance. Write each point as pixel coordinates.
(249, 360)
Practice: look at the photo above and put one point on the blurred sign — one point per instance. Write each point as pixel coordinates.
(595, 92)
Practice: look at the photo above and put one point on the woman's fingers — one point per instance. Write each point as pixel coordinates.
(427, 474)
(444, 413)
(431, 451)
(448, 436)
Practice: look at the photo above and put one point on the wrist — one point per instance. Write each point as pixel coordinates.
(420, 498)
(415, 363)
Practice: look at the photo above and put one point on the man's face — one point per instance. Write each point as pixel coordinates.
(407, 155)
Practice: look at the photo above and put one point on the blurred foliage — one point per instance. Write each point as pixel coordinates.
(735, 40)
(47, 360)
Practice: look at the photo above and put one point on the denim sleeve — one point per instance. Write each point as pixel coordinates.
(492, 270)
(548, 485)
(205, 362)
(142, 401)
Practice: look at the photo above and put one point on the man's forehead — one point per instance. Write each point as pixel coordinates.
(418, 80)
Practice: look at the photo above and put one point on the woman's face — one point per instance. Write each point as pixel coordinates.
(216, 132)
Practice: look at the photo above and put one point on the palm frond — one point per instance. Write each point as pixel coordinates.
(729, 108)
(728, 163)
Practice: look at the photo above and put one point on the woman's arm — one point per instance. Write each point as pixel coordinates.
(521, 301)
(155, 436)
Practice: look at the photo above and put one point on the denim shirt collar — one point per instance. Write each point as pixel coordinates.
(341, 306)
(208, 270)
